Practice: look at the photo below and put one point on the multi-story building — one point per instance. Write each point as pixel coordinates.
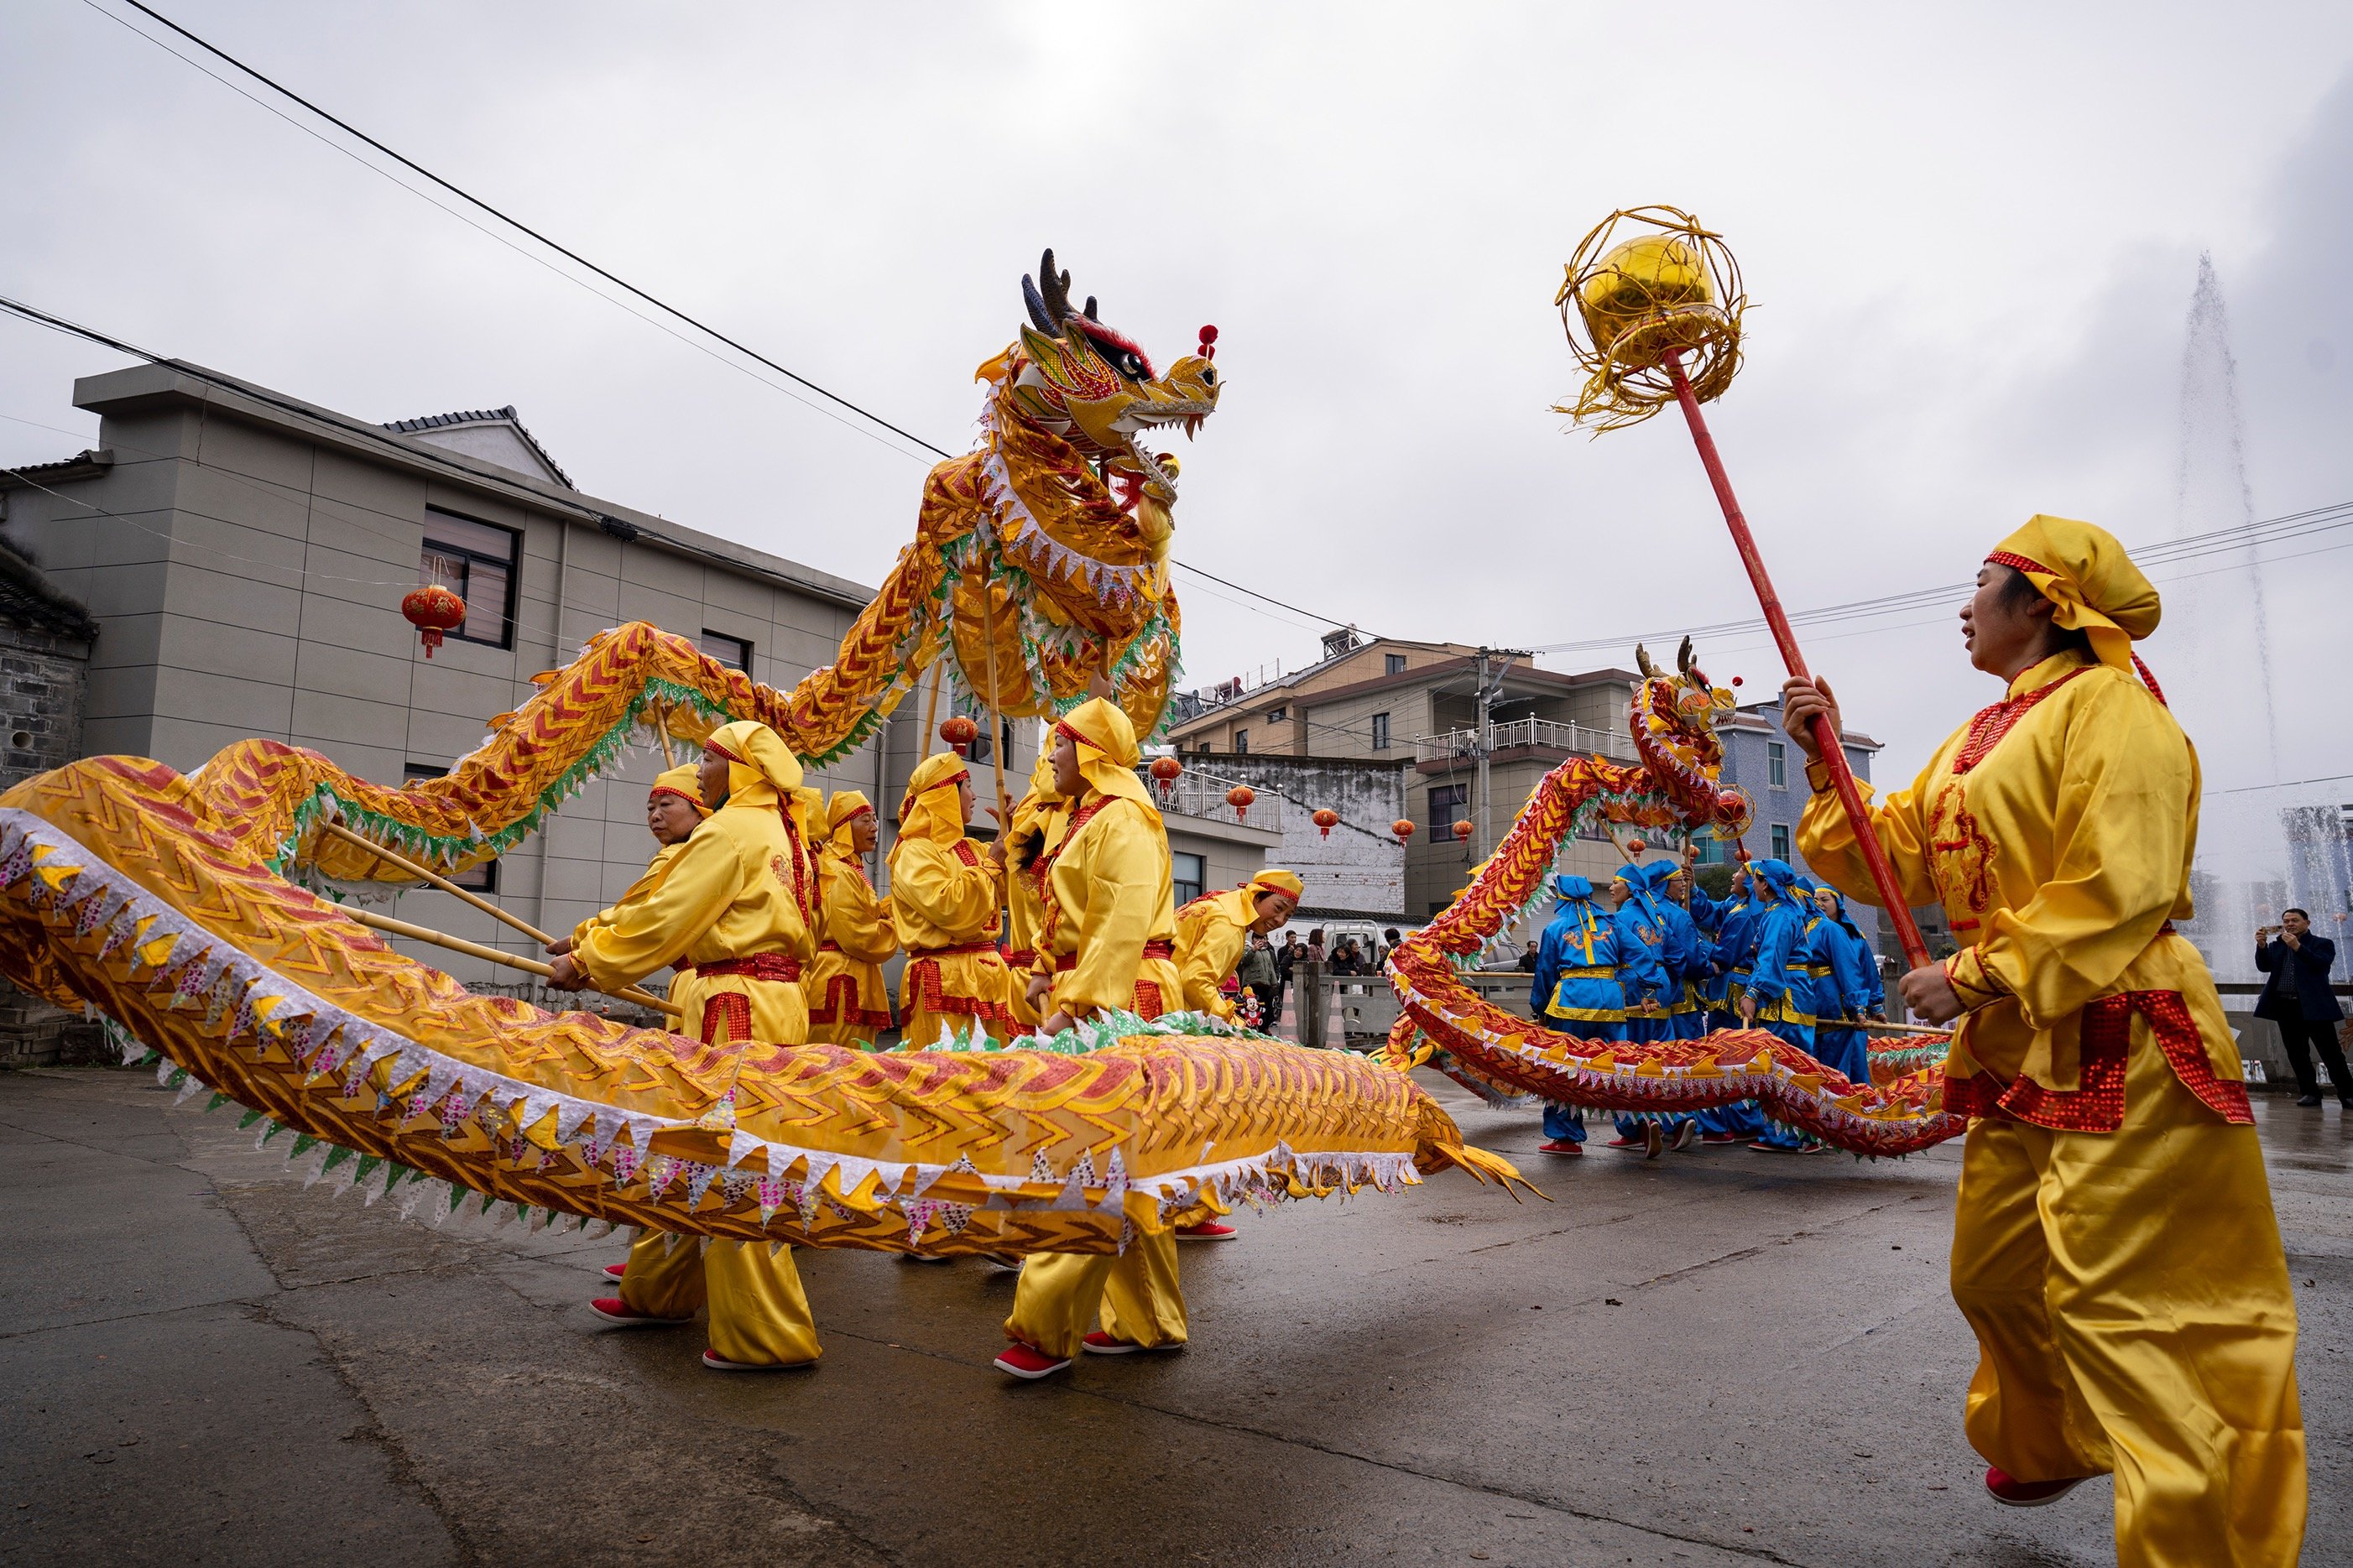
(1760, 758)
(243, 555)
(1414, 707)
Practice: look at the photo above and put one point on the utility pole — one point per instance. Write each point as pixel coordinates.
(1489, 686)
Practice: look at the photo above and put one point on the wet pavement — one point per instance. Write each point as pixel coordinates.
(1718, 1358)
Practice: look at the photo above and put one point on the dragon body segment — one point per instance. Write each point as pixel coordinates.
(1499, 1053)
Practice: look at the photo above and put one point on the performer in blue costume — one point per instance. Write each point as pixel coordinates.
(1780, 993)
(1576, 992)
(1729, 925)
(1854, 970)
(1686, 951)
(1650, 990)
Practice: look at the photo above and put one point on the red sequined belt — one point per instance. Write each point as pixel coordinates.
(758, 966)
(960, 950)
(1154, 948)
(828, 947)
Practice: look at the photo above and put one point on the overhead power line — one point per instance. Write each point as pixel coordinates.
(656, 302)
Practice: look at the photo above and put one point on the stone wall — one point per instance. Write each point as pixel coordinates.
(1359, 870)
(43, 681)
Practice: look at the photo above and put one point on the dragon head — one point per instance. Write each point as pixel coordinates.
(1673, 719)
(1091, 385)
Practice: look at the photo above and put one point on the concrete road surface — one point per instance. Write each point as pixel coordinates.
(1718, 1358)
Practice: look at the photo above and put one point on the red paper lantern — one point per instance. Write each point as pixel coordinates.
(1403, 829)
(433, 610)
(1240, 797)
(1635, 847)
(959, 732)
(1462, 830)
(1326, 819)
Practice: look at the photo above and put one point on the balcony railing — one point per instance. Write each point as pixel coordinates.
(1464, 744)
(1200, 793)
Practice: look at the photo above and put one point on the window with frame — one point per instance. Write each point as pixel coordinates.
(1278, 715)
(1187, 873)
(734, 652)
(1449, 804)
(982, 751)
(1780, 841)
(1710, 847)
(1393, 664)
(481, 878)
(1380, 731)
(475, 561)
(1241, 742)
(1777, 764)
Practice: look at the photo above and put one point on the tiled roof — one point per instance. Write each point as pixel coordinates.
(485, 416)
(29, 598)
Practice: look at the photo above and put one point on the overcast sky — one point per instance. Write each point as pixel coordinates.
(1972, 245)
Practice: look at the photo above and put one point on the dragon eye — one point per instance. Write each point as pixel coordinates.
(1209, 375)
(1128, 365)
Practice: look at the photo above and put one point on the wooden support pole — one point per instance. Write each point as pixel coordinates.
(391, 927)
(402, 863)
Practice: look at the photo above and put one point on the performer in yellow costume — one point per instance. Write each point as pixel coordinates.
(673, 809)
(1213, 929)
(848, 1002)
(943, 901)
(1039, 818)
(737, 905)
(2113, 1246)
(1107, 941)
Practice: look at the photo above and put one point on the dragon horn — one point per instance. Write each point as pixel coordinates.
(1037, 316)
(1684, 656)
(1090, 309)
(1642, 660)
(1057, 288)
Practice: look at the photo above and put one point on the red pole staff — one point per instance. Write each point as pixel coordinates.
(1882, 874)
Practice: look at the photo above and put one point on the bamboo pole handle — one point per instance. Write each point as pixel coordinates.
(661, 733)
(1904, 1028)
(391, 927)
(402, 863)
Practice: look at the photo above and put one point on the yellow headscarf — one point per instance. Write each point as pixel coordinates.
(843, 808)
(1276, 880)
(683, 782)
(1108, 753)
(2091, 582)
(930, 810)
(758, 759)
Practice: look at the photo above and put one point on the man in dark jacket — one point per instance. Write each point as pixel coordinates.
(2299, 1001)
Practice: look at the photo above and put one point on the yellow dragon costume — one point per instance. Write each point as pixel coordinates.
(182, 910)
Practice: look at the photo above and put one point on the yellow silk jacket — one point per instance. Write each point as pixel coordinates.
(648, 880)
(2056, 829)
(730, 892)
(856, 935)
(1211, 933)
(1110, 907)
(942, 897)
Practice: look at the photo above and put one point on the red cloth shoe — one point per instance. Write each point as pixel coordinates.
(1208, 1230)
(1560, 1146)
(1622, 1142)
(1720, 1138)
(1654, 1142)
(1686, 1135)
(616, 1312)
(2010, 1493)
(1101, 1343)
(615, 1270)
(1029, 1363)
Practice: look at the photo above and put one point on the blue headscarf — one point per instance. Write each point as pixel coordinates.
(1572, 889)
(1777, 875)
(1637, 880)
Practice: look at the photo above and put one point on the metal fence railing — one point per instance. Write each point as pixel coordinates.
(1546, 732)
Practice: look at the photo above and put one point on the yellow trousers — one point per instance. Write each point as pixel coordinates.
(759, 1314)
(2132, 1316)
(1056, 1302)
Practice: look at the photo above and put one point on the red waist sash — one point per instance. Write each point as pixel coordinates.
(781, 966)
